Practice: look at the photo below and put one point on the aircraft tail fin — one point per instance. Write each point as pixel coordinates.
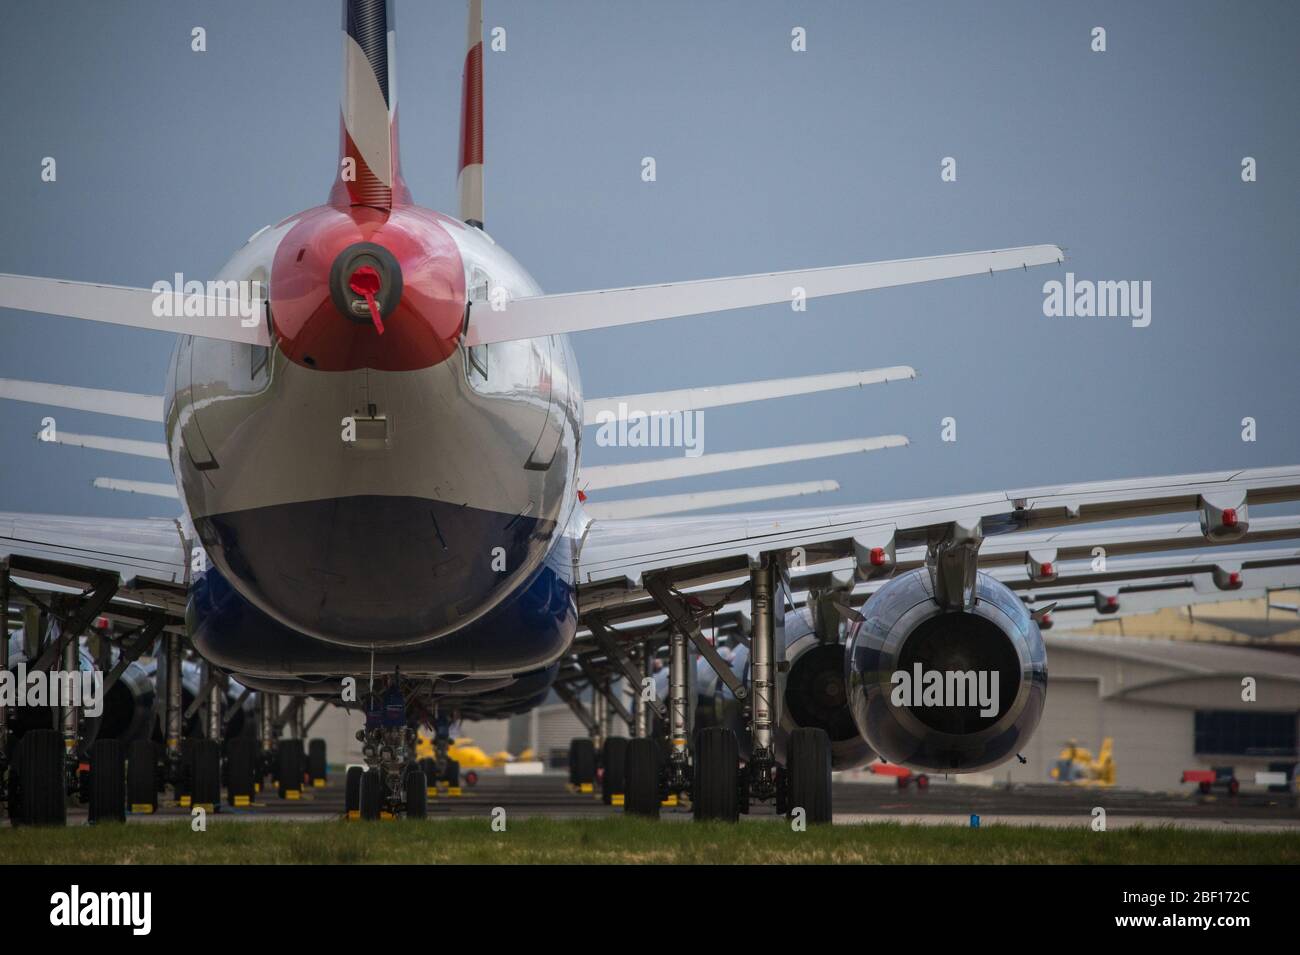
(469, 180)
(369, 173)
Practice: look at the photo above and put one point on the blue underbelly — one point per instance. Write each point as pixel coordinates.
(528, 628)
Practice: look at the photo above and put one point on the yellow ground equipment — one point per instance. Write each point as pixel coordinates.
(1075, 765)
(465, 752)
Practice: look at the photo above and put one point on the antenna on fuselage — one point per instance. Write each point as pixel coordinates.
(470, 178)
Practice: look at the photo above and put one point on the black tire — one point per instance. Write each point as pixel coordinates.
(613, 757)
(573, 762)
(371, 799)
(808, 769)
(107, 781)
(352, 790)
(451, 775)
(715, 793)
(317, 765)
(38, 774)
(417, 795)
(142, 776)
(207, 773)
(584, 762)
(289, 767)
(641, 778)
(241, 763)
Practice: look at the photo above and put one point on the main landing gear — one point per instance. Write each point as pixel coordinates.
(711, 773)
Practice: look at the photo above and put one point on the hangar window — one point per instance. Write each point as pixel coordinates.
(1241, 733)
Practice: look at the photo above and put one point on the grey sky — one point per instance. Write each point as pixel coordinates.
(767, 159)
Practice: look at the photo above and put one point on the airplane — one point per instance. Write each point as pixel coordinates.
(379, 467)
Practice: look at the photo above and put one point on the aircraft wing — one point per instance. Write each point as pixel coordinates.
(203, 315)
(616, 555)
(131, 570)
(568, 312)
(151, 547)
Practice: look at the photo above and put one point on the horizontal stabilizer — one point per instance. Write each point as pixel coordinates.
(123, 404)
(602, 476)
(540, 315)
(143, 449)
(202, 315)
(714, 396)
(681, 503)
(152, 488)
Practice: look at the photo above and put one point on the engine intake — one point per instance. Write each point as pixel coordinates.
(945, 690)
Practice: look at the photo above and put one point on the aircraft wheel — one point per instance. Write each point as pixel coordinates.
(352, 790)
(452, 775)
(38, 774)
(289, 768)
(142, 776)
(582, 767)
(206, 789)
(715, 790)
(107, 781)
(429, 767)
(923, 781)
(809, 769)
(317, 765)
(902, 782)
(417, 795)
(613, 757)
(1205, 788)
(371, 797)
(241, 760)
(471, 778)
(641, 778)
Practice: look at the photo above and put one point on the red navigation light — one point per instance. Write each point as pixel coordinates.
(1234, 579)
(1048, 570)
(877, 557)
(1229, 517)
(1112, 601)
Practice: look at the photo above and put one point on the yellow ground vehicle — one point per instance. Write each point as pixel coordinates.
(1075, 765)
(465, 752)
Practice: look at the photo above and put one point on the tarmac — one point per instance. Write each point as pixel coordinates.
(855, 802)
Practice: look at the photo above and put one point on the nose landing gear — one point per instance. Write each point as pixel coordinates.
(393, 783)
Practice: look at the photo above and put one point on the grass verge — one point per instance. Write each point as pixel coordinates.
(623, 840)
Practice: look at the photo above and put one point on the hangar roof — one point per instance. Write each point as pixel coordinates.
(1190, 656)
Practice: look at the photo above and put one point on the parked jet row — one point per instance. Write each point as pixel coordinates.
(378, 468)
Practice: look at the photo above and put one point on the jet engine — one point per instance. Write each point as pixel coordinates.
(945, 688)
(127, 705)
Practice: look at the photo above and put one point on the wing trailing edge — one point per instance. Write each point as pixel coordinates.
(698, 501)
(600, 477)
(599, 410)
(122, 404)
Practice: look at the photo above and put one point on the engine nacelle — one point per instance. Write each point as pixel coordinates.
(945, 690)
(815, 693)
